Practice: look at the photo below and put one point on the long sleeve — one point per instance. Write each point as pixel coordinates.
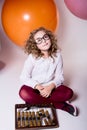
(58, 76)
(25, 77)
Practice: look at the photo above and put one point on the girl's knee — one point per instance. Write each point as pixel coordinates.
(70, 93)
(23, 90)
(67, 91)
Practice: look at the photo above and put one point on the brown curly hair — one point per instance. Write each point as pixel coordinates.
(31, 47)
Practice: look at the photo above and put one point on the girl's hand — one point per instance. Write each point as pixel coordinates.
(39, 87)
(46, 91)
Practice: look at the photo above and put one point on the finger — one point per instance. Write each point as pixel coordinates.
(43, 94)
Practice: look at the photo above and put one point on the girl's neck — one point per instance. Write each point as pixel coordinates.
(46, 55)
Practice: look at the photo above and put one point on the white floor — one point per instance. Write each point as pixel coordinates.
(72, 37)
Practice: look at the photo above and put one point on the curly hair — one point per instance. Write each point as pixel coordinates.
(31, 47)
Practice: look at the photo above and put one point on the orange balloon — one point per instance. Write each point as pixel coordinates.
(20, 17)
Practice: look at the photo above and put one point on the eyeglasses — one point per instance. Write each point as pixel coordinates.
(40, 40)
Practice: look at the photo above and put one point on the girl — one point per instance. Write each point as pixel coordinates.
(42, 75)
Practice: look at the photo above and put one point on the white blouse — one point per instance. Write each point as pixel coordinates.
(42, 71)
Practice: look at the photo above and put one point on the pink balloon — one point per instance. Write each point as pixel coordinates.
(77, 7)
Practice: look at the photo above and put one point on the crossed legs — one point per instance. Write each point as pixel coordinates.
(59, 96)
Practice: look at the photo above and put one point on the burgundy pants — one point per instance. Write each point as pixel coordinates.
(58, 96)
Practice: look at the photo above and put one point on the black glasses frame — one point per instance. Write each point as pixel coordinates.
(40, 39)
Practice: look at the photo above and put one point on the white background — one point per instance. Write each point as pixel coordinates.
(72, 37)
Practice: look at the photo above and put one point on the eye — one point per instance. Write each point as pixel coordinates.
(38, 40)
(46, 36)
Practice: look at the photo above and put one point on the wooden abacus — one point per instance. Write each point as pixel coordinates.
(33, 116)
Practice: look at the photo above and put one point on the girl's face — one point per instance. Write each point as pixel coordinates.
(42, 40)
